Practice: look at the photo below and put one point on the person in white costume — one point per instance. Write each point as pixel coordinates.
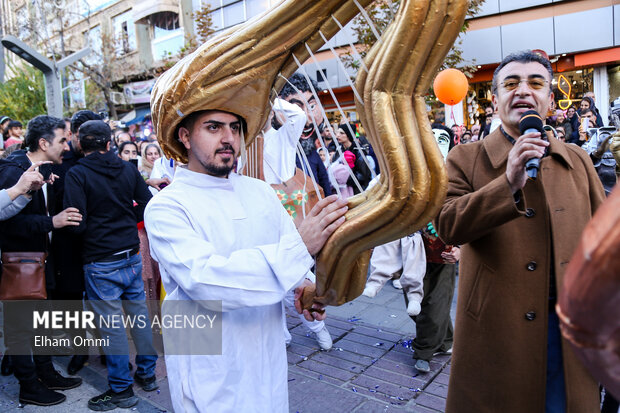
(279, 151)
(405, 255)
(218, 235)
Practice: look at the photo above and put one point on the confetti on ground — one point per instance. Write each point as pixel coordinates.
(354, 390)
(393, 315)
(291, 379)
(353, 319)
(320, 377)
(378, 344)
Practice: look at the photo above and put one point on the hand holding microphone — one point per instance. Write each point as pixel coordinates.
(524, 157)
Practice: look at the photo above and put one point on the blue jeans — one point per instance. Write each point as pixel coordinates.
(107, 283)
(556, 392)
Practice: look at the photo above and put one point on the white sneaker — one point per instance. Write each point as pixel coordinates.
(413, 308)
(324, 339)
(371, 290)
(396, 283)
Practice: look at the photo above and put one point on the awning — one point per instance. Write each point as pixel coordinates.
(136, 116)
(143, 9)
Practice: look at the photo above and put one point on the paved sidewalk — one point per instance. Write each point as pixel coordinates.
(370, 368)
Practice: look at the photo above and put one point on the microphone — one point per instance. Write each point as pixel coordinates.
(531, 122)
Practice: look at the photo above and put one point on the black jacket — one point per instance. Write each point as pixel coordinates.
(104, 187)
(318, 170)
(29, 229)
(66, 245)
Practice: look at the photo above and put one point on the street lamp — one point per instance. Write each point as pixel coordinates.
(50, 69)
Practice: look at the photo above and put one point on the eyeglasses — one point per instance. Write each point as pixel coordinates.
(534, 83)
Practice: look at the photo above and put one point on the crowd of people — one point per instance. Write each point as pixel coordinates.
(82, 192)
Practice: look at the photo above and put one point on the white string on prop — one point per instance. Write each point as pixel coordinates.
(344, 70)
(324, 115)
(369, 21)
(358, 56)
(333, 95)
(304, 161)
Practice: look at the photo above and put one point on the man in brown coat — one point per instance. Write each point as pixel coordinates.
(517, 236)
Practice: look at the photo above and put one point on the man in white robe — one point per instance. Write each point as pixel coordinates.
(222, 236)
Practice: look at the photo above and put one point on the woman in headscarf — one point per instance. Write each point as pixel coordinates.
(150, 153)
(588, 103)
(354, 156)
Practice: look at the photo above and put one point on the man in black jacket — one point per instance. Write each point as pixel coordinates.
(67, 246)
(30, 230)
(103, 188)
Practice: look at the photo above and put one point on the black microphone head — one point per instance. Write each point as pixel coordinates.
(530, 120)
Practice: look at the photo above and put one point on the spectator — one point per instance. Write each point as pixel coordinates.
(561, 133)
(466, 138)
(150, 153)
(584, 133)
(573, 119)
(104, 190)
(128, 151)
(14, 134)
(475, 133)
(588, 103)
(4, 121)
(29, 230)
(562, 121)
(355, 158)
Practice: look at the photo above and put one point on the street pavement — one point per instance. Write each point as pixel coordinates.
(369, 369)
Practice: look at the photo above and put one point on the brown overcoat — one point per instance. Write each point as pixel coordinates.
(508, 252)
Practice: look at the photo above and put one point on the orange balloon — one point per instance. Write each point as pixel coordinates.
(450, 86)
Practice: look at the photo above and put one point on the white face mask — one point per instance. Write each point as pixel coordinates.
(443, 141)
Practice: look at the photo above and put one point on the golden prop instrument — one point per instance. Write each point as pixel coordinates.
(238, 70)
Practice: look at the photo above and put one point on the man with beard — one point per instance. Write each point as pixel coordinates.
(299, 92)
(31, 231)
(218, 235)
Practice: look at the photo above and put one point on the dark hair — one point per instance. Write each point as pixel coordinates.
(349, 130)
(42, 127)
(122, 146)
(297, 81)
(525, 56)
(189, 121)
(586, 98)
(82, 116)
(14, 124)
(590, 110)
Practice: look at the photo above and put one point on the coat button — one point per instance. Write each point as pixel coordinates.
(531, 266)
(530, 315)
(530, 212)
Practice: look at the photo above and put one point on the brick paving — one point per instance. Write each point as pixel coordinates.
(370, 368)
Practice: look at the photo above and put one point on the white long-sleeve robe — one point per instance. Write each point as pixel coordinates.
(280, 147)
(230, 240)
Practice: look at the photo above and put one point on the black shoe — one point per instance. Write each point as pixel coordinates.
(54, 381)
(6, 367)
(111, 400)
(35, 392)
(76, 364)
(147, 384)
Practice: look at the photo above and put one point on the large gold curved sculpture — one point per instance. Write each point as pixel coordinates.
(237, 71)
